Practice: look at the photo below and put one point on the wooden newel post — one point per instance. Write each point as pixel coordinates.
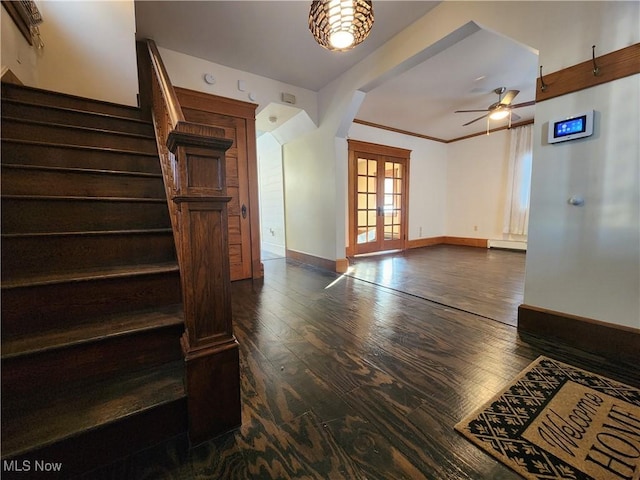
(210, 348)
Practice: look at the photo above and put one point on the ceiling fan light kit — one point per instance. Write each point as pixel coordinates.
(501, 109)
(499, 114)
(340, 24)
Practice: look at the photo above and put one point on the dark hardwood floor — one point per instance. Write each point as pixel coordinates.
(346, 378)
(486, 282)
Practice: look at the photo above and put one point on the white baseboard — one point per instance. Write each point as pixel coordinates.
(510, 244)
(277, 250)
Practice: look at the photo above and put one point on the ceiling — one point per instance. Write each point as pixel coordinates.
(248, 36)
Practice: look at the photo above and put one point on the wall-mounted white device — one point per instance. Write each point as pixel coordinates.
(577, 126)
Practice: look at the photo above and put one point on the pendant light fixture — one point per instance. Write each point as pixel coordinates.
(340, 24)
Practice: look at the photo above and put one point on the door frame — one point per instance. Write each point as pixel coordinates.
(244, 114)
(357, 146)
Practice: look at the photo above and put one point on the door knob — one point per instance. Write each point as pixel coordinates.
(244, 211)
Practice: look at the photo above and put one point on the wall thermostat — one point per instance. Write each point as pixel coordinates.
(571, 128)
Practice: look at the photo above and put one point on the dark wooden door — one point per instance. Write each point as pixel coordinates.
(237, 119)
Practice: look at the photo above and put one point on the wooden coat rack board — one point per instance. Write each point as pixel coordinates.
(598, 70)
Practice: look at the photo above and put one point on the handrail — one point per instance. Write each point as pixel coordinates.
(166, 114)
(171, 99)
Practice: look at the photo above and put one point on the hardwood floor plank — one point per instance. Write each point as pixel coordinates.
(448, 274)
(318, 450)
(345, 378)
(219, 458)
(372, 451)
(466, 460)
(263, 449)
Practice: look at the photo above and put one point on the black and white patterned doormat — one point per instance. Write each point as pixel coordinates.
(555, 421)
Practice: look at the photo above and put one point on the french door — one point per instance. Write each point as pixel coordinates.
(378, 197)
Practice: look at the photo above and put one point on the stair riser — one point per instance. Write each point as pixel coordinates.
(16, 181)
(66, 101)
(96, 361)
(61, 156)
(44, 215)
(24, 257)
(73, 136)
(75, 118)
(44, 307)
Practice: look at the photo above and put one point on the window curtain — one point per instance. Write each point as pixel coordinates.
(516, 214)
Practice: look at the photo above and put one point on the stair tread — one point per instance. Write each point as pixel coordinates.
(87, 233)
(76, 110)
(77, 127)
(47, 168)
(8, 87)
(78, 147)
(77, 409)
(84, 198)
(97, 329)
(92, 274)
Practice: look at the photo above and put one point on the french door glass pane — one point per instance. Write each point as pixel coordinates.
(372, 218)
(362, 166)
(367, 206)
(392, 200)
(362, 219)
(373, 168)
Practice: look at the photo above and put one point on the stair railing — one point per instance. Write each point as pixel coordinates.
(167, 116)
(192, 156)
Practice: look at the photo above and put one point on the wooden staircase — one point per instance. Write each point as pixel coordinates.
(92, 368)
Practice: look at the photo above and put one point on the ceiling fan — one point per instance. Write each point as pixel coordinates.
(502, 108)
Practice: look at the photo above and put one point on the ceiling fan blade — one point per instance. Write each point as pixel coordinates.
(466, 111)
(509, 96)
(472, 121)
(524, 104)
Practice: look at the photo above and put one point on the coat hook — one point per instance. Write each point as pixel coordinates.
(543, 86)
(596, 69)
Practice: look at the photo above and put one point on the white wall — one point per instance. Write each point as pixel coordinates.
(17, 55)
(89, 50)
(271, 190)
(427, 178)
(476, 185)
(188, 72)
(310, 195)
(585, 260)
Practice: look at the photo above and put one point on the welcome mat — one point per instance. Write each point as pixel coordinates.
(555, 421)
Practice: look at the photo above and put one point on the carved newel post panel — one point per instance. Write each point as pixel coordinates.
(212, 377)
